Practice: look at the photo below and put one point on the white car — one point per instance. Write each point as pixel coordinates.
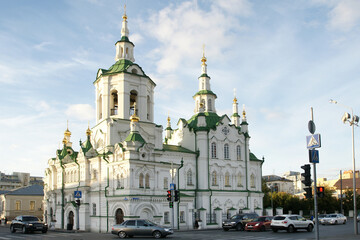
(334, 218)
(291, 223)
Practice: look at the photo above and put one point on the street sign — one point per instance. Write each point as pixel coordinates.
(172, 186)
(313, 156)
(313, 141)
(77, 194)
(311, 127)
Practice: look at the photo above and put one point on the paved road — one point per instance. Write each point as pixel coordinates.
(333, 232)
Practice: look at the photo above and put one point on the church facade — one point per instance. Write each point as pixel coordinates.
(125, 166)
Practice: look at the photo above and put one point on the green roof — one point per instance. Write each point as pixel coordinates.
(175, 148)
(235, 115)
(121, 66)
(125, 39)
(86, 146)
(212, 120)
(204, 75)
(201, 92)
(134, 137)
(254, 158)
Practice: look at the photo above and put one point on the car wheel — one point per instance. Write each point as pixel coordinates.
(274, 230)
(310, 228)
(239, 227)
(335, 222)
(290, 229)
(157, 234)
(44, 231)
(24, 230)
(262, 229)
(12, 229)
(122, 234)
(225, 229)
(344, 222)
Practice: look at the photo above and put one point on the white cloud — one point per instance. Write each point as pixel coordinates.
(81, 112)
(345, 15)
(42, 45)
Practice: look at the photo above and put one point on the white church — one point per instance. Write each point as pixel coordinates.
(123, 169)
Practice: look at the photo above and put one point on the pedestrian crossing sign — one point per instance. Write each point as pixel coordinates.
(313, 141)
(77, 194)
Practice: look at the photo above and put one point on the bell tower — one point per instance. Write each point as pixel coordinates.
(124, 84)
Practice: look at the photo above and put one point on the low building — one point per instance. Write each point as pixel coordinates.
(22, 201)
(17, 180)
(279, 184)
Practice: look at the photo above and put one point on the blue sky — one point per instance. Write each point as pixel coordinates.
(281, 56)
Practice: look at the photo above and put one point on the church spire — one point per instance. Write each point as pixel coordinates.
(204, 98)
(235, 116)
(124, 48)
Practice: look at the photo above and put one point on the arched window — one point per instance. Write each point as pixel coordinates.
(100, 107)
(227, 179)
(252, 180)
(214, 179)
(133, 102)
(121, 52)
(203, 85)
(166, 183)
(118, 181)
(121, 181)
(213, 150)
(141, 180)
(147, 181)
(209, 105)
(114, 103)
(226, 151)
(238, 152)
(189, 177)
(239, 180)
(148, 108)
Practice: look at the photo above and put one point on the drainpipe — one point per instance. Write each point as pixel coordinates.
(247, 178)
(62, 197)
(197, 171)
(106, 196)
(178, 181)
(208, 158)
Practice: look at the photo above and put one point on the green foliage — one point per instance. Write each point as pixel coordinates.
(289, 202)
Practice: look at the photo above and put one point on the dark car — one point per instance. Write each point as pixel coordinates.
(238, 221)
(140, 227)
(259, 224)
(28, 224)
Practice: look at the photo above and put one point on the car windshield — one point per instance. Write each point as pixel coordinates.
(322, 215)
(236, 217)
(30, 219)
(259, 219)
(332, 216)
(279, 218)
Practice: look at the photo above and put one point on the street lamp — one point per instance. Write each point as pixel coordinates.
(353, 120)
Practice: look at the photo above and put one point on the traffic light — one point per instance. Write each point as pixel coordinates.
(320, 192)
(308, 192)
(168, 195)
(176, 195)
(171, 204)
(77, 202)
(306, 175)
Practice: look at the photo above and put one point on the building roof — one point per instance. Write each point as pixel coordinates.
(347, 183)
(174, 148)
(36, 190)
(274, 178)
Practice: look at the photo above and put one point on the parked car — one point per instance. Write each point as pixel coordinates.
(238, 221)
(140, 227)
(28, 224)
(291, 223)
(334, 218)
(259, 224)
(358, 217)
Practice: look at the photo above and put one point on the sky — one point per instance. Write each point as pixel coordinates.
(282, 57)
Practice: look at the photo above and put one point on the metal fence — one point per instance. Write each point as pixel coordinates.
(210, 218)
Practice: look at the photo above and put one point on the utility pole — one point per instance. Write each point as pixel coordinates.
(172, 196)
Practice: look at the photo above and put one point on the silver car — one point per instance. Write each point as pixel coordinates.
(334, 218)
(140, 227)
